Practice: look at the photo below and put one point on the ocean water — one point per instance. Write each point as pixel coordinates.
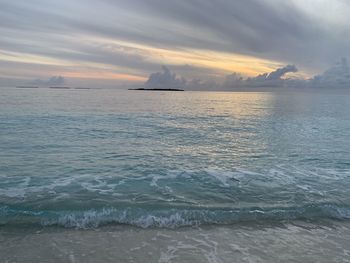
(166, 161)
(86, 158)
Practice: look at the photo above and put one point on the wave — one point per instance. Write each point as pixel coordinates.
(272, 179)
(170, 218)
(176, 198)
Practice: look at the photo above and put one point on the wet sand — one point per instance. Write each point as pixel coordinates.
(292, 242)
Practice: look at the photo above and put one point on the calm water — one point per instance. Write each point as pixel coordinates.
(87, 158)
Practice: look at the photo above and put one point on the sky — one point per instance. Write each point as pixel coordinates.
(220, 43)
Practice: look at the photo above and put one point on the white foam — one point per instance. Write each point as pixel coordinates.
(17, 190)
(159, 221)
(222, 176)
(170, 175)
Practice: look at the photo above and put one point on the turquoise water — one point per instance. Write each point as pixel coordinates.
(87, 158)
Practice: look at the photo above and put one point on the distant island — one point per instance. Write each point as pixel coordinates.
(158, 89)
(59, 87)
(27, 87)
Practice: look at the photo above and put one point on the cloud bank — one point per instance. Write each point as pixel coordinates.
(53, 81)
(165, 79)
(336, 77)
(272, 79)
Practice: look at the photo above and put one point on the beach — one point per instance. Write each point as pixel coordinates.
(285, 242)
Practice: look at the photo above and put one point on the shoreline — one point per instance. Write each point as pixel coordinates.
(285, 242)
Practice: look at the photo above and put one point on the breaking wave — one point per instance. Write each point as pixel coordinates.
(172, 218)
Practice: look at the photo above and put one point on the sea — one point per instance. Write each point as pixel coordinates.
(108, 175)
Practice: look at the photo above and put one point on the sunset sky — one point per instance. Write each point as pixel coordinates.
(122, 42)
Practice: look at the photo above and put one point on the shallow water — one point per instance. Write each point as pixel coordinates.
(87, 158)
(297, 242)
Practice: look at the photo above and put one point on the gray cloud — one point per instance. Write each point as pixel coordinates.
(336, 77)
(165, 79)
(279, 73)
(233, 80)
(273, 79)
(53, 81)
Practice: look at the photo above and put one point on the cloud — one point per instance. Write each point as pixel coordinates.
(168, 80)
(198, 84)
(279, 73)
(306, 33)
(53, 81)
(337, 76)
(233, 80)
(266, 80)
(165, 79)
(273, 79)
